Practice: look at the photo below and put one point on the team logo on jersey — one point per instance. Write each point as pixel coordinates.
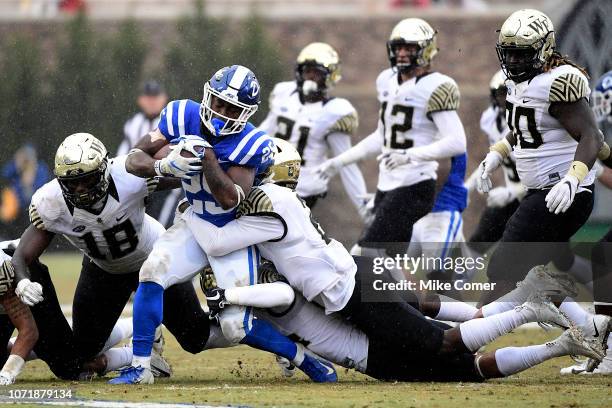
(78, 228)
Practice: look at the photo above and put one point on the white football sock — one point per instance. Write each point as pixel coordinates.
(118, 357)
(454, 310)
(511, 360)
(479, 332)
(144, 362)
(263, 295)
(121, 330)
(515, 297)
(578, 315)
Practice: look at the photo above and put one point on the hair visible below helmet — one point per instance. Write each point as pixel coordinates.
(530, 33)
(236, 85)
(322, 56)
(82, 158)
(285, 170)
(413, 31)
(601, 100)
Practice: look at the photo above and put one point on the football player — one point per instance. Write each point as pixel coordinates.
(233, 154)
(555, 141)
(100, 208)
(303, 112)
(283, 229)
(504, 200)
(20, 318)
(417, 105)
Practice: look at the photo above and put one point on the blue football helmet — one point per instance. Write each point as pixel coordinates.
(237, 86)
(601, 99)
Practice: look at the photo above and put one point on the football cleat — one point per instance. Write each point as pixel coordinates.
(159, 366)
(545, 311)
(575, 369)
(318, 370)
(543, 280)
(134, 375)
(573, 343)
(602, 325)
(287, 368)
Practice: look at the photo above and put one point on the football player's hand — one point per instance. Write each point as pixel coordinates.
(175, 165)
(6, 378)
(194, 144)
(215, 298)
(561, 196)
(500, 197)
(395, 159)
(29, 292)
(486, 167)
(329, 168)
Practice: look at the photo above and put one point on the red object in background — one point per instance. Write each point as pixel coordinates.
(406, 3)
(72, 6)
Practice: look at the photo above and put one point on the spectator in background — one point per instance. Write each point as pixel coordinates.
(21, 177)
(151, 101)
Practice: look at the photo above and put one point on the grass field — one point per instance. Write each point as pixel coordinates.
(244, 377)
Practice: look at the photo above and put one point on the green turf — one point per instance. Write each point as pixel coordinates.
(242, 376)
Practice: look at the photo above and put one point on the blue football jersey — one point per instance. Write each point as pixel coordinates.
(250, 148)
(453, 196)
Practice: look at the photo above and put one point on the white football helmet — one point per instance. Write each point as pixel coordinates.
(413, 31)
(322, 56)
(526, 42)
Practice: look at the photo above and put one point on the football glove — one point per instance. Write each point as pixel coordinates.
(29, 292)
(329, 168)
(500, 197)
(562, 195)
(215, 298)
(395, 159)
(486, 167)
(175, 165)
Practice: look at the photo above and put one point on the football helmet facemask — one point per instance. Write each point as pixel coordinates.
(235, 87)
(81, 168)
(602, 98)
(285, 170)
(412, 31)
(526, 42)
(324, 58)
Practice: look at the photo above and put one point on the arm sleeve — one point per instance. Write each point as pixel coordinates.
(452, 142)
(262, 295)
(470, 183)
(241, 233)
(368, 147)
(269, 124)
(353, 181)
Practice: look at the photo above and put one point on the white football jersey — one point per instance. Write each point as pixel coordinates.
(314, 265)
(496, 129)
(306, 126)
(7, 276)
(405, 121)
(544, 150)
(118, 239)
(329, 336)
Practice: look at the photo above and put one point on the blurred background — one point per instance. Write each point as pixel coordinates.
(71, 66)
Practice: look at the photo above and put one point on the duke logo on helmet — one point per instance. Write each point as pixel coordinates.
(602, 98)
(236, 86)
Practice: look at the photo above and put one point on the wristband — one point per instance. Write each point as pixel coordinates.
(579, 170)
(502, 147)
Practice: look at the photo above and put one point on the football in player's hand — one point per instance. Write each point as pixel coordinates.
(164, 151)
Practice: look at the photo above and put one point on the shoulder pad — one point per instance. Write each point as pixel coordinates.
(7, 275)
(568, 87)
(35, 218)
(47, 205)
(444, 97)
(383, 78)
(257, 202)
(346, 124)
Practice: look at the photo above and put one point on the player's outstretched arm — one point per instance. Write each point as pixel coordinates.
(230, 188)
(32, 244)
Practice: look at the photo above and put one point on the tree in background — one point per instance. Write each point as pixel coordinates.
(22, 112)
(199, 50)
